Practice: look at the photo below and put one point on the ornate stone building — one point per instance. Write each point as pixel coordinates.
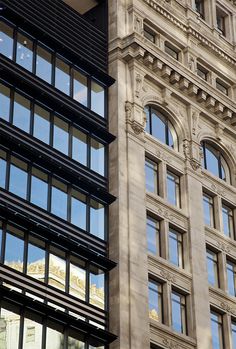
(172, 168)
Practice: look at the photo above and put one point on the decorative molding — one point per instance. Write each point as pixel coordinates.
(135, 117)
(168, 276)
(163, 156)
(138, 84)
(218, 190)
(171, 344)
(193, 154)
(166, 214)
(223, 247)
(226, 307)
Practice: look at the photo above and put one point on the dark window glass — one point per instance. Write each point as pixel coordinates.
(44, 64)
(97, 98)
(231, 270)
(97, 219)
(178, 309)
(208, 208)
(153, 236)
(97, 157)
(149, 34)
(61, 135)
(59, 199)
(228, 224)
(155, 300)
(77, 279)
(80, 88)
(176, 248)
(3, 166)
(79, 146)
(220, 20)
(62, 76)
(212, 268)
(24, 52)
(173, 189)
(216, 330)
(159, 126)
(199, 7)
(9, 334)
(151, 176)
(78, 209)
(41, 124)
(221, 87)
(14, 250)
(173, 52)
(202, 72)
(36, 259)
(4, 102)
(18, 178)
(233, 334)
(96, 287)
(57, 269)
(6, 40)
(39, 188)
(21, 113)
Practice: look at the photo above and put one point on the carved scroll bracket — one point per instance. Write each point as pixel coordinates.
(193, 154)
(135, 117)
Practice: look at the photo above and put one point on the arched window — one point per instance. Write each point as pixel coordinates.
(160, 127)
(214, 162)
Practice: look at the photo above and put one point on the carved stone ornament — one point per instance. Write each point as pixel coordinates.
(195, 119)
(193, 153)
(227, 308)
(138, 83)
(218, 190)
(136, 118)
(168, 276)
(223, 247)
(164, 157)
(164, 213)
(138, 24)
(171, 344)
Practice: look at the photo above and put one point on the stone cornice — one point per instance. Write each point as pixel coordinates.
(188, 29)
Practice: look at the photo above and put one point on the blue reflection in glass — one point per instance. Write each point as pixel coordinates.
(78, 213)
(212, 162)
(97, 157)
(97, 219)
(80, 88)
(151, 176)
(4, 102)
(174, 248)
(59, 203)
(152, 236)
(176, 312)
(39, 192)
(61, 136)
(24, 52)
(41, 124)
(18, 181)
(43, 64)
(14, 252)
(6, 40)
(21, 113)
(212, 268)
(216, 331)
(62, 77)
(234, 334)
(158, 127)
(79, 147)
(172, 189)
(97, 98)
(231, 278)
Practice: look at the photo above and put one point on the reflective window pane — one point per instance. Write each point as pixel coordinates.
(96, 288)
(212, 164)
(80, 88)
(18, 178)
(155, 300)
(234, 334)
(24, 52)
(231, 268)
(54, 339)
(208, 208)
(97, 98)
(62, 76)
(212, 268)
(75, 343)
(57, 271)
(77, 279)
(39, 188)
(36, 259)
(158, 127)
(178, 312)
(173, 189)
(32, 336)
(78, 209)
(151, 176)
(41, 124)
(227, 217)
(4, 102)
(175, 248)
(6, 40)
(9, 329)
(21, 113)
(59, 199)
(14, 250)
(79, 146)
(3, 167)
(97, 157)
(97, 219)
(44, 64)
(61, 135)
(216, 331)
(153, 236)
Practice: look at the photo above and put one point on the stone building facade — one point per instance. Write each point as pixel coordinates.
(173, 111)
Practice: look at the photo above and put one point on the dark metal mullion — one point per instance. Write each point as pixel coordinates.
(29, 180)
(88, 151)
(88, 214)
(87, 283)
(166, 132)
(26, 245)
(69, 202)
(8, 158)
(12, 97)
(49, 205)
(15, 34)
(4, 228)
(51, 118)
(67, 288)
(21, 329)
(32, 111)
(44, 335)
(47, 249)
(219, 165)
(53, 68)
(34, 56)
(89, 92)
(72, 82)
(150, 119)
(70, 140)
(204, 155)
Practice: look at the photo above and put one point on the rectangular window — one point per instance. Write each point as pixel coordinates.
(80, 88)
(62, 76)
(36, 259)
(155, 300)
(39, 188)
(77, 286)
(32, 336)
(10, 329)
(148, 34)
(97, 98)
(96, 287)
(172, 51)
(233, 329)
(220, 19)
(221, 87)
(6, 40)
(151, 176)
(61, 135)
(4, 102)
(78, 209)
(153, 236)
(14, 257)
(217, 330)
(41, 124)
(231, 272)
(79, 146)
(55, 337)
(97, 219)
(173, 189)
(199, 7)
(212, 268)
(18, 178)
(178, 310)
(97, 157)
(59, 199)
(44, 64)
(21, 113)
(208, 208)
(57, 269)
(24, 52)
(228, 221)
(202, 72)
(176, 248)
(3, 167)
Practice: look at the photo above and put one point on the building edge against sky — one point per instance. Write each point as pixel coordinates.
(172, 167)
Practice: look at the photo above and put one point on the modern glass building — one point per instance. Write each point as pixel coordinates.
(54, 197)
